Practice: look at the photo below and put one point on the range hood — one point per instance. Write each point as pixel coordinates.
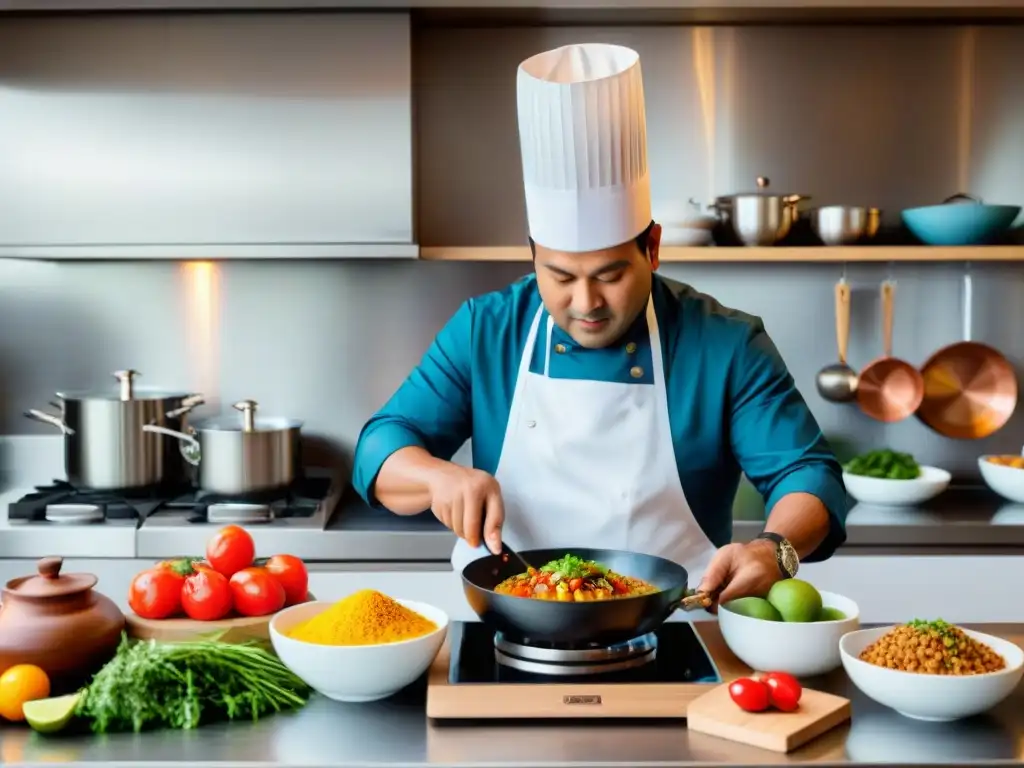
(206, 136)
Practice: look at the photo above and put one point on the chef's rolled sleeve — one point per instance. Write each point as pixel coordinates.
(777, 440)
(432, 409)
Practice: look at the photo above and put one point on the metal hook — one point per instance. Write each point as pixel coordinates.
(891, 279)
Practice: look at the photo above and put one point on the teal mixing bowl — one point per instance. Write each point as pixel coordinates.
(961, 220)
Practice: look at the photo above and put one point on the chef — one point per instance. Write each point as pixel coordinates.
(606, 406)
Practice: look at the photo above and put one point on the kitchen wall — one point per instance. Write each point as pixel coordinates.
(891, 117)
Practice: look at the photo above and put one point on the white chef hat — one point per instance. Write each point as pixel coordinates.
(583, 137)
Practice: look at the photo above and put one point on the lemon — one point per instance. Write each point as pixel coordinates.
(51, 715)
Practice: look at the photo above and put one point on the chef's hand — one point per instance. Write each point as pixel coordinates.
(468, 501)
(741, 570)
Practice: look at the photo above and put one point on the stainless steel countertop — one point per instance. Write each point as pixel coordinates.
(964, 520)
(396, 733)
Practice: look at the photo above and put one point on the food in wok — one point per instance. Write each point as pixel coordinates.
(573, 579)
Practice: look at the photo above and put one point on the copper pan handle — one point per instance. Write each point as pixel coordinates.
(888, 291)
(842, 318)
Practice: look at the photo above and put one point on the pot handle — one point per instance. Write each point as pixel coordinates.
(187, 404)
(49, 418)
(189, 446)
(961, 197)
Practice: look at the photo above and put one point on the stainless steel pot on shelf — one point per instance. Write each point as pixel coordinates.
(105, 447)
(758, 218)
(845, 224)
(241, 455)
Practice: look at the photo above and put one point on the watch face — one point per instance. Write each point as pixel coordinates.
(790, 561)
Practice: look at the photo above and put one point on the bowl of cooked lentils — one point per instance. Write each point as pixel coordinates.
(932, 670)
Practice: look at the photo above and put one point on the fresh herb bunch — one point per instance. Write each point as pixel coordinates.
(886, 464)
(572, 567)
(149, 684)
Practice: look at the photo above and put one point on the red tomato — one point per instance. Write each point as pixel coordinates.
(230, 550)
(206, 595)
(291, 572)
(750, 695)
(255, 592)
(784, 690)
(156, 593)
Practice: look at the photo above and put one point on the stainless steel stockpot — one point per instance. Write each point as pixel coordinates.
(760, 218)
(239, 455)
(105, 447)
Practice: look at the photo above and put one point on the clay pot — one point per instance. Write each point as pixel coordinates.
(58, 622)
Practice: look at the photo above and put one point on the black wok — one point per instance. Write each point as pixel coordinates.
(599, 622)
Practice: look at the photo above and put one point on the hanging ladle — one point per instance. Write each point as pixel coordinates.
(837, 383)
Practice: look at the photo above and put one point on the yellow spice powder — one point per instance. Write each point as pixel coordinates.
(366, 617)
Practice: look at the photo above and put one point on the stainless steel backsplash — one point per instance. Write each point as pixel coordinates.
(892, 117)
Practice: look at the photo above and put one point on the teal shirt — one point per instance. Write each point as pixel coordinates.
(733, 405)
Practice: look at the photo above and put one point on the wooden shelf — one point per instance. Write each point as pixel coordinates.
(806, 254)
(743, 9)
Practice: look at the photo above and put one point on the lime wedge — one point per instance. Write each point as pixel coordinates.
(51, 715)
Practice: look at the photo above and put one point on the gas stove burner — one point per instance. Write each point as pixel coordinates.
(549, 659)
(74, 514)
(239, 513)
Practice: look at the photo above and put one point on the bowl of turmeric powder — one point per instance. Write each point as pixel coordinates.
(364, 647)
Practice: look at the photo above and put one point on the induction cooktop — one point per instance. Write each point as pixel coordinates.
(480, 674)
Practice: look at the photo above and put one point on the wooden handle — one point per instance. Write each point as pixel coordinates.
(842, 318)
(888, 299)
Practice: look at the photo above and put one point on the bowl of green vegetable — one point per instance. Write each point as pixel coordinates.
(890, 478)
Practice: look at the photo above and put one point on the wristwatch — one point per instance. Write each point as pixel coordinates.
(785, 555)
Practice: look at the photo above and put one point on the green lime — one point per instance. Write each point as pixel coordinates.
(755, 608)
(51, 715)
(831, 614)
(796, 600)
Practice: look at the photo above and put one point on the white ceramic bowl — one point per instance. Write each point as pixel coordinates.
(1008, 482)
(801, 649)
(931, 697)
(897, 493)
(356, 672)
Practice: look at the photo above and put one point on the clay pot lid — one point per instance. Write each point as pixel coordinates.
(50, 582)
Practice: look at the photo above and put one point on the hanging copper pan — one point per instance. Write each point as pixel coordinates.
(970, 389)
(889, 389)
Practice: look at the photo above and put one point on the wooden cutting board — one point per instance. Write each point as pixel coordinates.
(236, 629)
(716, 714)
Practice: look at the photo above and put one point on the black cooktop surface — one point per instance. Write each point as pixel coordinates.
(300, 500)
(680, 659)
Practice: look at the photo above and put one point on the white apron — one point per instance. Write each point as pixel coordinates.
(591, 464)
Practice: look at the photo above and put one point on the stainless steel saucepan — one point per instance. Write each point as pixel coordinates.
(104, 444)
(242, 454)
(759, 218)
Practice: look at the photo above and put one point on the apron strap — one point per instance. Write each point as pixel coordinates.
(547, 350)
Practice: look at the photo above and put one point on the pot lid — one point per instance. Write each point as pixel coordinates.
(763, 182)
(124, 390)
(50, 582)
(248, 421)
